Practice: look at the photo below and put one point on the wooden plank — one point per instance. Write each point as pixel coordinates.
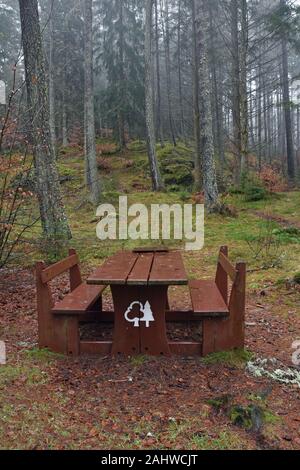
(158, 249)
(79, 300)
(187, 348)
(206, 298)
(141, 270)
(104, 348)
(227, 266)
(95, 347)
(168, 269)
(58, 268)
(115, 270)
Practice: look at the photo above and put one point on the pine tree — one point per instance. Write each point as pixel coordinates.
(122, 56)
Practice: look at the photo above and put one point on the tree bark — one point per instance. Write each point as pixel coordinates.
(182, 126)
(54, 221)
(168, 71)
(51, 82)
(196, 112)
(206, 134)
(286, 102)
(235, 93)
(216, 94)
(243, 89)
(149, 100)
(92, 177)
(121, 118)
(158, 112)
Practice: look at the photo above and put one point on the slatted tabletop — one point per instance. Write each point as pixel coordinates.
(144, 268)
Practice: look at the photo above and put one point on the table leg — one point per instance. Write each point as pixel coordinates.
(140, 323)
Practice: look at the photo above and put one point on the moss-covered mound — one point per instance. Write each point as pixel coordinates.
(176, 165)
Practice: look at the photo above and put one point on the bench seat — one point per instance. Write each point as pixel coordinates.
(79, 301)
(207, 300)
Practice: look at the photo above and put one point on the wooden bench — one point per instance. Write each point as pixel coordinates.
(223, 314)
(59, 323)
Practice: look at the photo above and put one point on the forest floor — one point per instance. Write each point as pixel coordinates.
(237, 400)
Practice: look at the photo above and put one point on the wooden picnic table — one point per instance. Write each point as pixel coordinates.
(139, 282)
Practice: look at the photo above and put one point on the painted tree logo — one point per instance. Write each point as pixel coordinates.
(145, 310)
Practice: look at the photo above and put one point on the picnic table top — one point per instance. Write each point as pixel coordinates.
(144, 268)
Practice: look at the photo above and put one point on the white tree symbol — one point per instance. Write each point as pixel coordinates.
(148, 315)
(146, 310)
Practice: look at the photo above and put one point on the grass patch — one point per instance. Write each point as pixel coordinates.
(25, 374)
(235, 358)
(227, 440)
(43, 355)
(138, 361)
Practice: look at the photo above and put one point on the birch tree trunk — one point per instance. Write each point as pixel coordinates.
(54, 221)
(149, 100)
(206, 133)
(92, 177)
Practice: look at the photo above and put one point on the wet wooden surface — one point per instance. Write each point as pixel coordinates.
(141, 268)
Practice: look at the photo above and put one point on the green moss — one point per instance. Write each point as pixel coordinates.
(235, 358)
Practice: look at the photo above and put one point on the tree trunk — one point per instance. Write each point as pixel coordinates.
(92, 177)
(121, 118)
(216, 95)
(149, 100)
(196, 112)
(182, 127)
(168, 71)
(158, 106)
(286, 102)
(51, 83)
(54, 221)
(243, 88)
(235, 93)
(206, 134)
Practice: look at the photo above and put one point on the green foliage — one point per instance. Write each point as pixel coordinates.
(121, 53)
(255, 193)
(252, 187)
(287, 234)
(296, 278)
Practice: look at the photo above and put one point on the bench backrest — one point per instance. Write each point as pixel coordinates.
(226, 269)
(70, 263)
